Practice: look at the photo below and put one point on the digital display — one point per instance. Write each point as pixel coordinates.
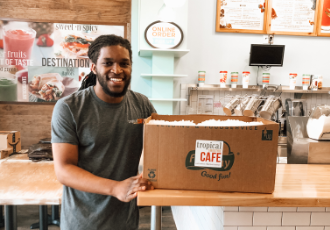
(266, 55)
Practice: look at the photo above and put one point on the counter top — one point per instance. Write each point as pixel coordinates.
(23, 182)
(296, 185)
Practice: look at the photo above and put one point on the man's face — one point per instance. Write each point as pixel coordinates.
(113, 70)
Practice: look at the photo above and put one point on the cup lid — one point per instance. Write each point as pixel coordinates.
(223, 72)
(246, 72)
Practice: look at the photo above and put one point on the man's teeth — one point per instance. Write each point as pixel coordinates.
(116, 79)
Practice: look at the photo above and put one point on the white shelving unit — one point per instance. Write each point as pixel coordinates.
(174, 76)
(256, 88)
(169, 99)
(175, 52)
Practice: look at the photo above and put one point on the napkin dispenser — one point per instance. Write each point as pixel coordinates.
(318, 125)
(300, 148)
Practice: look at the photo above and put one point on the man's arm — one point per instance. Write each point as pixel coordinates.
(69, 174)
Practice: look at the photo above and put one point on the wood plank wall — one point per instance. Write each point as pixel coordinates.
(33, 119)
(109, 12)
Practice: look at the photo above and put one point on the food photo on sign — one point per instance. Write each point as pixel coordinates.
(43, 44)
(325, 21)
(48, 84)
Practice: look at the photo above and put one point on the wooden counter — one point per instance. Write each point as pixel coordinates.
(295, 186)
(23, 182)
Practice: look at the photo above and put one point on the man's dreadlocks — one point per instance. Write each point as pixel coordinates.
(94, 53)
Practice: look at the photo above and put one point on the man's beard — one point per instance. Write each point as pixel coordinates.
(106, 90)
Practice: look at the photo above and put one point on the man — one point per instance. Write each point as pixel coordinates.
(96, 150)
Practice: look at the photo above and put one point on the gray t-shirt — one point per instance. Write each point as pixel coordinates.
(108, 147)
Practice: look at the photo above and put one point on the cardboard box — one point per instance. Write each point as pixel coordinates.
(9, 140)
(5, 153)
(247, 159)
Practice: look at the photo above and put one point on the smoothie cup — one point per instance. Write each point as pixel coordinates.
(293, 80)
(246, 79)
(8, 89)
(306, 81)
(17, 44)
(223, 79)
(201, 78)
(234, 79)
(265, 79)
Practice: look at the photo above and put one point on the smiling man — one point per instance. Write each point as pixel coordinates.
(96, 150)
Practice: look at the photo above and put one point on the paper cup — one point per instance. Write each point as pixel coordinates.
(229, 109)
(246, 79)
(240, 108)
(271, 105)
(252, 106)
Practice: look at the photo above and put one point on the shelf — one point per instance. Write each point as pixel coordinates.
(144, 75)
(255, 88)
(167, 99)
(150, 52)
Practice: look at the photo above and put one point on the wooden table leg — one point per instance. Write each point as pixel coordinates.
(10, 217)
(43, 217)
(156, 218)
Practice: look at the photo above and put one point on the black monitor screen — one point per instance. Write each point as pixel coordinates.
(266, 55)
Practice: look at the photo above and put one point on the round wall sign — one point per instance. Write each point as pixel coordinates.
(163, 35)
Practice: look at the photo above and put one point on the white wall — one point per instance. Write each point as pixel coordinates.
(251, 218)
(212, 51)
(149, 13)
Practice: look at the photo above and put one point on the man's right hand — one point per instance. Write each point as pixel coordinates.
(126, 190)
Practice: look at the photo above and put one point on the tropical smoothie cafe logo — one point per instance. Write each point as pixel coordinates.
(208, 155)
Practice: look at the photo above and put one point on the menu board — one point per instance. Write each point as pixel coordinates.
(287, 17)
(296, 17)
(246, 16)
(324, 19)
(42, 62)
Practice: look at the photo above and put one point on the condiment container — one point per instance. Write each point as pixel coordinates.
(320, 81)
(314, 82)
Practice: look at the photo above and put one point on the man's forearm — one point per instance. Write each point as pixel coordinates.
(80, 179)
